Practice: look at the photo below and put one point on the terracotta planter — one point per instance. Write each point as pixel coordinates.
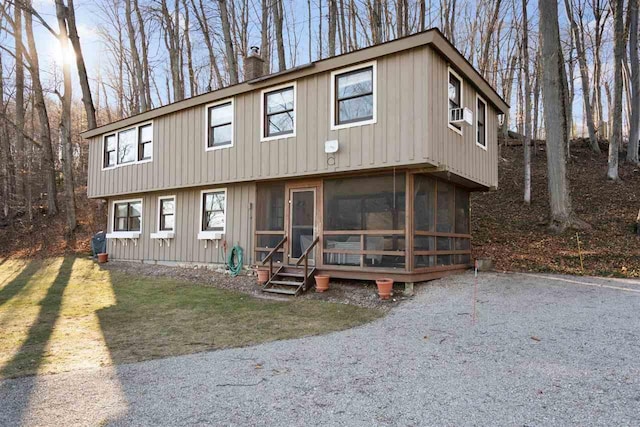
(102, 258)
(322, 282)
(385, 286)
(263, 276)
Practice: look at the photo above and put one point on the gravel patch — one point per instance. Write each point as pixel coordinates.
(353, 292)
(542, 352)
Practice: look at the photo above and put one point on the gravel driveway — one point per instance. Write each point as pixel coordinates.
(544, 351)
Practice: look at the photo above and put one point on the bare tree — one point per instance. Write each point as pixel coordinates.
(616, 140)
(232, 61)
(634, 132)
(527, 105)
(19, 107)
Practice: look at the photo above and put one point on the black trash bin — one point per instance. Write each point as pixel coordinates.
(99, 244)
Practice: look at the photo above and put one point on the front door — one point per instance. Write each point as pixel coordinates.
(302, 221)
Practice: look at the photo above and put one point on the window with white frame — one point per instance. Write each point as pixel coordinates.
(220, 125)
(167, 213)
(127, 216)
(455, 96)
(481, 123)
(278, 112)
(213, 208)
(353, 96)
(128, 146)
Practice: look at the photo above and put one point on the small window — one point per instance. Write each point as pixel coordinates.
(354, 96)
(127, 216)
(481, 120)
(213, 210)
(127, 146)
(220, 125)
(145, 142)
(110, 151)
(167, 214)
(455, 96)
(279, 112)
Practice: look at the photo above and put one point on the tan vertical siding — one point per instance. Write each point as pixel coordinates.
(411, 129)
(185, 247)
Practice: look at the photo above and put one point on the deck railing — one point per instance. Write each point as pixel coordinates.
(269, 257)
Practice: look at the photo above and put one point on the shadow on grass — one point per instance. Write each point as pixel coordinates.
(32, 351)
(20, 281)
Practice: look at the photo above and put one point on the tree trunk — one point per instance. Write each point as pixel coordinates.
(20, 189)
(136, 81)
(193, 84)
(65, 120)
(527, 105)
(232, 61)
(616, 129)
(278, 19)
(333, 15)
(87, 99)
(146, 81)
(39, 104)
(555, 111)
(634, 133)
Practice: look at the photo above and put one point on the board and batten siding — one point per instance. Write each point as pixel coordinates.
(185, 247)
(411, 130)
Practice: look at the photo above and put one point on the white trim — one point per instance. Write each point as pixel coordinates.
(206, 123)
(456, 75)
(224, 229)
(292, 84)
(137, 132)
(159, 215)
(125, 234)
(334, 74)
(486, 115)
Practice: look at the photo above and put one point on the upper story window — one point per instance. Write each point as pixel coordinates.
(481, 123)
(455, 97)
(167, 211)
(110, 147)
(132, 145)
(127, 215)
(145, 142)
(278, 112)
(220, 125)
(214, 203)
(353, 96)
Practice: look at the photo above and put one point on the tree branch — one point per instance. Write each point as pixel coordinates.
(15, 127)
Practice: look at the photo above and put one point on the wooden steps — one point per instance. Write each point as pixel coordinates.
(288, 280)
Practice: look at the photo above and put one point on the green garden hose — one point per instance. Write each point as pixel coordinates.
(235, 268)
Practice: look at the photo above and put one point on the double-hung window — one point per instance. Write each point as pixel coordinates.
(110, 146)
(481, 123)
(353, 96)
(455, 97)
(128, 146)
(167, 209)
(278, 112)
(127, 216)
(145, 142)
(214, 204)
(220, 125)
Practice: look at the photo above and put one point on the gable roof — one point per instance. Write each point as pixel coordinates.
(432, 37)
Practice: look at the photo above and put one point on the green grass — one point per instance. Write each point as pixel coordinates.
(64, 314)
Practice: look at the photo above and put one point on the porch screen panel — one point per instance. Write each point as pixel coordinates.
(364, 220)
(441, 224)
(270, 201)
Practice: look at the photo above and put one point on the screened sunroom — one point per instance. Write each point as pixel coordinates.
(402, 224)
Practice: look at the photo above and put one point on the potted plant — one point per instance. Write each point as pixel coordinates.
(103, 257)
(263, 275)
(385, 286)
(322, 282)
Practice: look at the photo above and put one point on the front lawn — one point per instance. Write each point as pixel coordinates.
(62, 314)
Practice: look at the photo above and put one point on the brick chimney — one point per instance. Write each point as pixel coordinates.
(253, 64)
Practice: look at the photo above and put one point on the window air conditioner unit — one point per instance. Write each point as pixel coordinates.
(461, 116)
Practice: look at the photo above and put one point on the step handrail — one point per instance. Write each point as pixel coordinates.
(269, 257)
(305, 258)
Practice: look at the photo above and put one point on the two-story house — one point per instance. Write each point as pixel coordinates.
(359, 166)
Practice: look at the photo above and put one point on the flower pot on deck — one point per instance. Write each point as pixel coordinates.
(263, 276)
(385, 286)
(102, 258)
(322, 282)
